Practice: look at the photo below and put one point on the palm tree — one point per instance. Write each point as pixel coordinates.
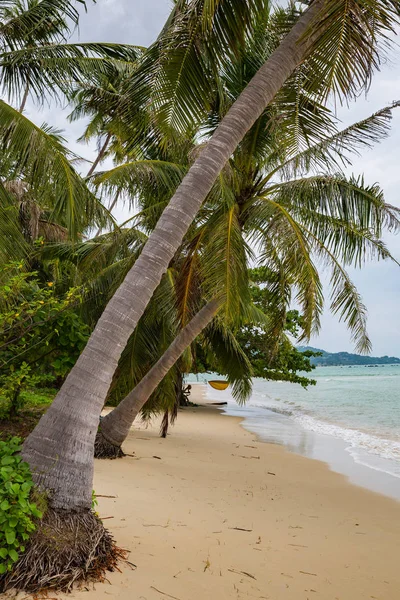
(336, 219)
(36, 61)
(260, 197)
(60, 449)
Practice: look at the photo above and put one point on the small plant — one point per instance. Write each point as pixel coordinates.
(94, 500)
(17, 512)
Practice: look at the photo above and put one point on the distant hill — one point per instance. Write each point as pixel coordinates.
(337, 359)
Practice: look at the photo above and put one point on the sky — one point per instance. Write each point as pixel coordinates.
(139, 21)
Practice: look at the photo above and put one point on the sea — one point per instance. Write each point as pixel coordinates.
(350, 419)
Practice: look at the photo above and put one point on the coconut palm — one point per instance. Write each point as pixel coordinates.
(35, 61)
(60, 449)
(266, 196)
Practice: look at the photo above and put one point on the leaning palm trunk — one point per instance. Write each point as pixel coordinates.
(60, 449)
(116, 425)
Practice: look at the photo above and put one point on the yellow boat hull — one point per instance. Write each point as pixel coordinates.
(219, 385)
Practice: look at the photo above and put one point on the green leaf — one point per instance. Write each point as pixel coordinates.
(3, 552)
(10, 537)
(13, 555)
(35, 512)
(3, 568)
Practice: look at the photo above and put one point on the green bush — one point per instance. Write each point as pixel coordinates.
(17, 512)
(41, 334)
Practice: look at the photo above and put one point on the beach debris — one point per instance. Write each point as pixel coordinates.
(101, 496)
(298, 545)
(307, 573)
(207, 564)
(250, 446)
(158, 457)
(270, 473)
(163, 593)
(105, 518)
(241, 529)
(242, 456)
(259, 540)
(243, 573)
(155, 525)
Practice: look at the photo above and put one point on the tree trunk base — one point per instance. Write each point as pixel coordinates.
(65, 549)
(105, 449)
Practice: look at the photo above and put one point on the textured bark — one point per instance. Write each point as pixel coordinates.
(115, 427)
(60, 449)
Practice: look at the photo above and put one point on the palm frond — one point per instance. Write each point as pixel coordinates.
(224, 261)
(57, 67)
(279, 232)
(39, 157)
(131, 176)
(43, 20)
(340, 198)
(346, 301)
(335, 151)
(12, 243)
(348, 43)
(177, 73)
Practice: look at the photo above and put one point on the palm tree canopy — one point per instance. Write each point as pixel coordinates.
(177, 74)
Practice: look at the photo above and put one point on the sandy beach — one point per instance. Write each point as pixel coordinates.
(211, 513)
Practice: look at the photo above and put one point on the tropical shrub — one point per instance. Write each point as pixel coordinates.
(17, 511)
(42, 335)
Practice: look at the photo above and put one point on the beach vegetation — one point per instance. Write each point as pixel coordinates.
(18, 511)
(41, 334)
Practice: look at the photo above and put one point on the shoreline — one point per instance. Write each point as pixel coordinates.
(211, 512)
(364, 469)
(334, 452)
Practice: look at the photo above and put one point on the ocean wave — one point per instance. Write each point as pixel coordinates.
(360, 444)
(383, 447)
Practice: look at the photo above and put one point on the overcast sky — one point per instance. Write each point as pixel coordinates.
(139, 21)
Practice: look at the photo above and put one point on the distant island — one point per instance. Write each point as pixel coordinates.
(338, 359)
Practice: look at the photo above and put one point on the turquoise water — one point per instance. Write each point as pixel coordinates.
(360, 406)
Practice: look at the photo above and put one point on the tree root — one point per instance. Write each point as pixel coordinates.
(65, 549)
(105, 449)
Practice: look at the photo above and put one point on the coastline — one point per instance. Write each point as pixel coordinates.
(336, 453)
(355, 447)
(211, 512)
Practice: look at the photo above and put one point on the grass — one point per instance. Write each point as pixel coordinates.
(36, 401)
